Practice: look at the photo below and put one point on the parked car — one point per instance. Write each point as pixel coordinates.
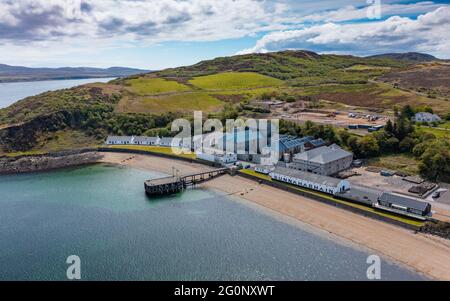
(436, 195)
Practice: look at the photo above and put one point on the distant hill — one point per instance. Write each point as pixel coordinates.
(409, 56)
(18, 73)
(301, 66)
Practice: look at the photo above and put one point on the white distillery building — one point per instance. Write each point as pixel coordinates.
(309, 180)
(132, 140)
(426, 117)
(324, 160)
(121, 140)
(142, 140)
(170, 142)
(264, 169)
(217, 157)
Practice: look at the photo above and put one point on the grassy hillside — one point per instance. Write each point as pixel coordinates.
(153, 85)
(284, 65)
(171, 103)
(234, 81)
(432, 80)
(146, 104)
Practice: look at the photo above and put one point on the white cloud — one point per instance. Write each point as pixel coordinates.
(428, 33)
(194, 20)
(351, 12)
(69, 32)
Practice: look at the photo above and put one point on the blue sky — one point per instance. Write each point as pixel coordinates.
(157, 34)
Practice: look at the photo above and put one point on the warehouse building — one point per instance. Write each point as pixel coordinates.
(426, 117)
(264, 169)
(325, 160)
(120, 140)
(132, 140)
(314, 143)
(361, 194)
(403, 204)
(217, 157)
(309, 180)
(142, 140)
(292, 145)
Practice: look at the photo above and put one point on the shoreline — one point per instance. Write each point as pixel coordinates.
(29, 80)
(418, 252)
(322, 233)
(48, 162)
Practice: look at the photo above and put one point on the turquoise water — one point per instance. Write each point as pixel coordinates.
(101, 214)
(12, 92)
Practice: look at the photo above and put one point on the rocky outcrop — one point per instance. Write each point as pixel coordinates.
(23, 164)
(23, 137)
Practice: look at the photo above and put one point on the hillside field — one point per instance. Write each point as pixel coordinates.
(183, 102)
(234, 81)
(153, 85)
(244, 85)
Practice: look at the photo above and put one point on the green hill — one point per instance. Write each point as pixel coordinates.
(222, 87)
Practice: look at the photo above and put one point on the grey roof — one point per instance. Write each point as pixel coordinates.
(119, 138)
(289, 142)
(426, 115)
(323, 154)
(361, 193)
(307, 176)
(270, 167)
(317, 142)
(404, 201)
(145, 139)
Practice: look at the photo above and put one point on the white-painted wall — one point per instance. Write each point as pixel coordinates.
(343, 185)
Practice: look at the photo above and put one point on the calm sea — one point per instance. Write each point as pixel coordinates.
(101, 214)
(12, 92)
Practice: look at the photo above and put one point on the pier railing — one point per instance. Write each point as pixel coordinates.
(170, 185)
(197, 178)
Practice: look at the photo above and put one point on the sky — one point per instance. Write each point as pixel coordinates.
(158, 34)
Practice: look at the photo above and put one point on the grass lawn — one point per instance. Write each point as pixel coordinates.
(59, 141)
(366, 68)
(440, 131)
(154, 149)
(184, 102)
(27, 153)
(328, 197)
(234, 80)
(151, 86)
(401, 162)
(64, 140)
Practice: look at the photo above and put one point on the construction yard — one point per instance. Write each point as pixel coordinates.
(340, 119)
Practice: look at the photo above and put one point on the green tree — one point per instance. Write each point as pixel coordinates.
(389, 127)
(344, 135)
(402, 128)
(407, 144)
(435, 161)
(352, 142)
(368, 146)
(407, 112)
(391, 145)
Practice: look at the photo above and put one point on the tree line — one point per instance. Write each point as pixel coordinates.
(398, 136)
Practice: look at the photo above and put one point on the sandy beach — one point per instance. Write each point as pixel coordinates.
(423, 253)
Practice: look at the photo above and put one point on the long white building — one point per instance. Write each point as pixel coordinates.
(220, 158)
(309, 180)
(132, 140)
